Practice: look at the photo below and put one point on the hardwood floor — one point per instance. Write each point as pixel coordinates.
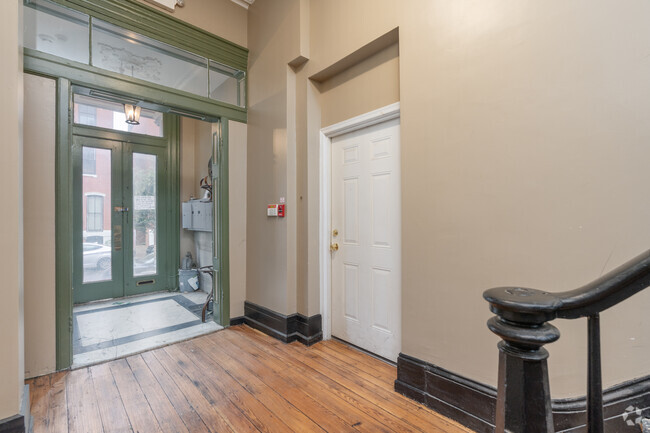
(236, 380)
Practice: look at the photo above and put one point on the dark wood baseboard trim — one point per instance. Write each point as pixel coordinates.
(295, 327)
(473, 404)
(234, 321)
(13, 424)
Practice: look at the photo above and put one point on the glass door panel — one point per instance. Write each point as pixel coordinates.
(96, 214)
(145, 267)
(145, 225)
(97, 219)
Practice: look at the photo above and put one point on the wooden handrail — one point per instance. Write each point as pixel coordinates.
(522, 316)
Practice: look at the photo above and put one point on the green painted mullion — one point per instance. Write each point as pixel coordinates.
(107, 134)
(126, 192)
(63, 224)
(100, 79)
(224, 232)
(221, 238)
(90, 41)
(172, 126)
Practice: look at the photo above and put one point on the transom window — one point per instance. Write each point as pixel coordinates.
(110, 114)
(54, 29)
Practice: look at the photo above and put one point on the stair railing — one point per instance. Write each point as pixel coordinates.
(522, 316)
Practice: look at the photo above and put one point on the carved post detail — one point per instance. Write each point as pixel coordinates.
(523, 395)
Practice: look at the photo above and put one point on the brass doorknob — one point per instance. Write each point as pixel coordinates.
(334, 247)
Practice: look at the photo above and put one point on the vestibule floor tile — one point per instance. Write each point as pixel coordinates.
(120, 327)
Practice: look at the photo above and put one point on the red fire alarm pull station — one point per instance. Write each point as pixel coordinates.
(281, 210)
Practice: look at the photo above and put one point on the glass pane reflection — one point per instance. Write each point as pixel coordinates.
(96, 217)
(137, 56)
(56, 30)
(108, 114)
(144, 214)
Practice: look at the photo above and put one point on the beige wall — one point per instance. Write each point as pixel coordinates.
(274, 42)
(219, 17)
(11, 225)
(370, 84)
(284, 116)
(523, 152)
(38, 180)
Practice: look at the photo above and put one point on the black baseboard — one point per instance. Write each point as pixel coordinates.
(13, 424)
(240, 320)
(296, 327)
(473, 404)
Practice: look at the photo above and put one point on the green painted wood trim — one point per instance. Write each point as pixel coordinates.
(224, 210)
(110, 134)
(100, 79)
(221, 234)
(174, 218)
(63, 224)
(148, 21)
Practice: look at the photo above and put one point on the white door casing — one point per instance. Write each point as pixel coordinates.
(366, 212)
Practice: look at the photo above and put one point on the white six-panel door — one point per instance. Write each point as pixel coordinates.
(366, 268)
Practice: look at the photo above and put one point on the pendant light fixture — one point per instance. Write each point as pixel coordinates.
(132, 113)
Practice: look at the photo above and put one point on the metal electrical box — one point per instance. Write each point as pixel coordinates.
(197, 215)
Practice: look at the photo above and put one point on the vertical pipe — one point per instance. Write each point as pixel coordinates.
(594, 378)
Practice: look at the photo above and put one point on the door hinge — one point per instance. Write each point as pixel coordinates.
(70, 323)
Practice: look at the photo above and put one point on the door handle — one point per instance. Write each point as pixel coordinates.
(334, 247)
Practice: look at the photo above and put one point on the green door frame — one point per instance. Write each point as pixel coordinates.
(63, 220)
(64, 229)
(135, 16)
(64, 215)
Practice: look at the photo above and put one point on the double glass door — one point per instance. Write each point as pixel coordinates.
(120, 211)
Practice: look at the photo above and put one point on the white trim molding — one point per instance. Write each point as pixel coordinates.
(374, 117)
(380, 115)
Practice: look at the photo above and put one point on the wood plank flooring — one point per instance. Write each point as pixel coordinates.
(232, 381)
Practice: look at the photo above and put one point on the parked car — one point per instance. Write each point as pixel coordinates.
(96, 256)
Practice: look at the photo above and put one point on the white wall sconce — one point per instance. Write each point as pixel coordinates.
(132, 113)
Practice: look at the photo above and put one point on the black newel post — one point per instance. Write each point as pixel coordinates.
(523, 396)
